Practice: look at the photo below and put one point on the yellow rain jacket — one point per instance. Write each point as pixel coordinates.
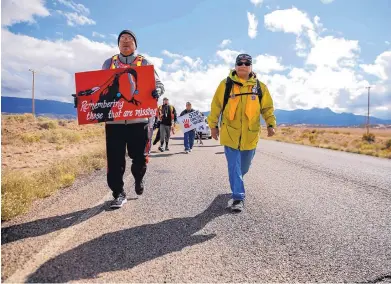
(240, 123)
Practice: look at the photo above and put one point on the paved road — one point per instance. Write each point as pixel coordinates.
(311, 215)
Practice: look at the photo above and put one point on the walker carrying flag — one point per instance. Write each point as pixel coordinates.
(190, 120)
(115, 94)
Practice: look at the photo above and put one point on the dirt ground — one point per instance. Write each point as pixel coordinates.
(30, 145)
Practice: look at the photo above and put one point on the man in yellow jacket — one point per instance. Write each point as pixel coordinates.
(240, 99)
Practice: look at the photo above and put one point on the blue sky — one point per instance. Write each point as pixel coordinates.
(309, 53)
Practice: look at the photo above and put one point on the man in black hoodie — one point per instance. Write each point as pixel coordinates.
(189, 135)
(168, 117)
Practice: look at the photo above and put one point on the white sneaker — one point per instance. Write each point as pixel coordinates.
(237, 206)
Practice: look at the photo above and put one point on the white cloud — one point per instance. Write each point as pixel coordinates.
(321, 87)
(79, 16)
(79, 8)
(301, 47)
(195, 80)
(156, 61)
(96, 34)
(181, 61)
(171, 55)
(13, 12)
(228, 55)
(296, 22)
(381, 68)
(252, 25)
(288, 21)
(55, 62)
(267, 63)
(195, 85)
(333, 52)
(329, 78)
(326, 1)
(387, 42)
(75, 19)
(225, 42)
(318, 25)
(256, 2)
(318, 51)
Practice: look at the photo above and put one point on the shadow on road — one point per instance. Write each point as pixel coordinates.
(386, 278)
(161, 155)
(219, 153)
(203, 146)
(47, 225)
(128, 248)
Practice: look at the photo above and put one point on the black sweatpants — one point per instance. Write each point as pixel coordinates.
(119, 137)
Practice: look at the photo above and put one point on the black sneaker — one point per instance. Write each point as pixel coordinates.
(118, 202)
(237, 206)
(139, 187)
(161, 149)
(167, 149)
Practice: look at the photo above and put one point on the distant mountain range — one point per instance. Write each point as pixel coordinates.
(322, 116)
(315, 116)
(42, 107)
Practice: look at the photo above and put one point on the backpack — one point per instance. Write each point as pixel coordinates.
(228, 87)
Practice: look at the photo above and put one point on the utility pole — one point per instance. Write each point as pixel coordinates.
(33, 106)
(369, 89)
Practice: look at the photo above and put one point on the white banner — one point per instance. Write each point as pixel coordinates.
(190, 121)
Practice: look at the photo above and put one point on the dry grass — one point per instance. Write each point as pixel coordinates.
(30, 144)
(19, 190)
(355, 140)
(41, 155)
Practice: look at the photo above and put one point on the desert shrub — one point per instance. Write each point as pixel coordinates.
(312, 138)
(48, 124)
(370, 137)
(30, 137)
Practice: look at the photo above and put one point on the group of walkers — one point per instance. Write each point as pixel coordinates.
(238, 103)
(165, 122)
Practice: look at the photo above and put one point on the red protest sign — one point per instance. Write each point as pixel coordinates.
(115, 94)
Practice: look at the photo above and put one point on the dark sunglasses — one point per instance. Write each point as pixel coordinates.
(241, 63)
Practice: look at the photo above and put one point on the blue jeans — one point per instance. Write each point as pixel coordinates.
(238, 165)
(189, 140)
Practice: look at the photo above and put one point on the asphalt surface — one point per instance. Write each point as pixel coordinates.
(311, 215)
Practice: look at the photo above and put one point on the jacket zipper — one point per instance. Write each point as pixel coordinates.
(126, 59)
(241, 115)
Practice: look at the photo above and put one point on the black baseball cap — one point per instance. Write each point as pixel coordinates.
(244, 56)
